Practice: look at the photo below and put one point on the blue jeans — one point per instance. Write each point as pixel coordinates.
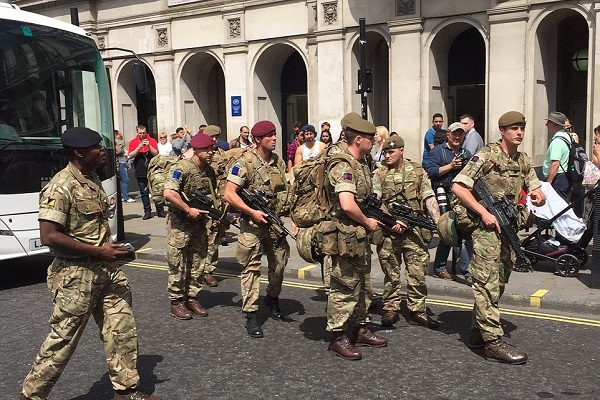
(442, 252)
(124, 181)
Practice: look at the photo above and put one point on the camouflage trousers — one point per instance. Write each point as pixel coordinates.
(82, 289)
(253, 242)
(411, 246)
(216, 232)
(184, 257)
(346, 303)
(490, 268)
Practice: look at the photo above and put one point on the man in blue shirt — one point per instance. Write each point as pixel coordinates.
(437, 121)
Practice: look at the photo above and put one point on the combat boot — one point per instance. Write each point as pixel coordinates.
(195, 307)
(273, 304)
(499, 350)
(362, 337)
(210, 280)
(340, 346)
(179, 310)
(135, 395)
(475, 339)
(252, 325)
(389, 318)
(421, 318)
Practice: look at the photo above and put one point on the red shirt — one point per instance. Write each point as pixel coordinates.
(135, 142)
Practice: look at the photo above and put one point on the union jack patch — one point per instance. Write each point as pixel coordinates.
(347, 176)
(474, 159)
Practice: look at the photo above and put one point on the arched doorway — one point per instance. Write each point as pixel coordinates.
(561, 77)
(378, 60)
(136, 108)
(202, 87)
(457, 69)
(280, 89)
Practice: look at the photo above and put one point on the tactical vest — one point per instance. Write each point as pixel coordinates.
(403, 186)
(503, 174)
(270, 179)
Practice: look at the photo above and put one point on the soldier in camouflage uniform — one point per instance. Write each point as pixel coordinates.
(216, 230)
(349, 182)
(84, 277)
(406, 182)
(186, 227)
(505, 171)
(256, 238)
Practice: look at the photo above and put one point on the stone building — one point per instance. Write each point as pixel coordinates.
(233, 63)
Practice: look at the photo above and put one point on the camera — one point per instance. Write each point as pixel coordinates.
(442, 199)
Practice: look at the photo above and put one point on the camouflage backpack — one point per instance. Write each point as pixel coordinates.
(158, 168)
(311, 202)
(223, 162)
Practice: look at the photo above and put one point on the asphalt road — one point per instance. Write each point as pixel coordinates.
(213, 357)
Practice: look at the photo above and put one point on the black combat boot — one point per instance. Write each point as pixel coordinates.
(252, 325)
(273, 304)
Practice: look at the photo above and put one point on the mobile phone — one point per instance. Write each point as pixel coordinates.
(128, 247)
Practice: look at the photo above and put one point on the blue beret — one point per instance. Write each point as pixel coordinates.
(201, 141)
(80, 137)
(308, 128)
(262, 128)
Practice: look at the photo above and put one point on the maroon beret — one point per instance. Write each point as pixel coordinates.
(201, 141)
(262, 128)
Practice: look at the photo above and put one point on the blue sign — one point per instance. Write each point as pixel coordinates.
(236, 106)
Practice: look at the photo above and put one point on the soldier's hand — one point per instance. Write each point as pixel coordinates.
(400, 227)
(259, 217)
(111, 252)
(372, 224)
(489, 221)
(537, 197)
(194, 213)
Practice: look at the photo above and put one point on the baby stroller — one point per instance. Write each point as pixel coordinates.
(567, 246)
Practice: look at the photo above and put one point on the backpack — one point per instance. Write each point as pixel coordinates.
(311, 202)
(158, 168)
(223, 161)
(577, 160)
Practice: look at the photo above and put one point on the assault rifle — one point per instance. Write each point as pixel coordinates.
(258, 201)
(201, 201)
(504, 212)
(371, 207)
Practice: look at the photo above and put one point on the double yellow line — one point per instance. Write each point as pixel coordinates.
(430, 301)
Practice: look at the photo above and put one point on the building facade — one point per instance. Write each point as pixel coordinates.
(232, 63)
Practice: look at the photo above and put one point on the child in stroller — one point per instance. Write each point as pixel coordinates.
(567, 246)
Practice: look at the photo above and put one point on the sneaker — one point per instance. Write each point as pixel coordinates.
(443, 275)
(129, 200)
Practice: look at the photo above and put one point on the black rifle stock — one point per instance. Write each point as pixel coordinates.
(258, 201)
(504, 212)
(371, 207)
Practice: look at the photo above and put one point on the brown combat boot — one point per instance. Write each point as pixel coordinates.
(421, 318)
(362, 337)
(340, 346)
(135, 395)
(389, 318)
(195, 307)
(210, 280)
(499, 350)
(179, 310)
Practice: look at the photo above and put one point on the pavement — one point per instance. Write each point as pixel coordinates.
(541, 289)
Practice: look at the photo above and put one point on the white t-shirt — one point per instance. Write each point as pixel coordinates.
(165, 149)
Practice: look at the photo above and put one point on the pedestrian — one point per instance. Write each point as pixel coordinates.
(165, 148)
(381, 136)
(292, 147)
(243, 140)
(556, 163)
(350, 182)
(123, 164)
(180, 144)
(404, 181)
(473, 141)
(186, 227)
(506, 171)
(326, 138)
(265, 172)
(445, 162)
(141, 149)
(84, 278)
(325, 129)
(310, 148)
(437, 121)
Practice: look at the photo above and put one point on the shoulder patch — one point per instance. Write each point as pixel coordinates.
(177, 174)
(235, 170)
(474, 159)
(347, 176)
(51, 202)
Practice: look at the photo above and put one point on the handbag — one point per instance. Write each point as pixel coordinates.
(591, 174)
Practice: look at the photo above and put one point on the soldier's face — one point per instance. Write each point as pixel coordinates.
(365, 143)
(513, 134)
(269, 141)
(94, 156)
(393, 156)
(205, 154)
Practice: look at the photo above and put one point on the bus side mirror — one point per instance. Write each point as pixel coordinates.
(139, 73)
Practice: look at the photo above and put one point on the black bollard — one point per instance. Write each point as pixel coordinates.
(595, 263)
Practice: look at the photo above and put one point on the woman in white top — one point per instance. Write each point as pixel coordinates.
(164, 146)
(381, 135)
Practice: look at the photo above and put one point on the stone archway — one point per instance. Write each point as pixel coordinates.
(136, 108)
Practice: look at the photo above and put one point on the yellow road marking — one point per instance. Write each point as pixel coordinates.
(430, 301)
(303, 269)
(536, 299)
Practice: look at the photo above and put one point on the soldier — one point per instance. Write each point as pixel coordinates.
(506, 171)
(266, 173)
(350, 181)
(84, 277)
(186, 227)
(216, 231)
(404, 181)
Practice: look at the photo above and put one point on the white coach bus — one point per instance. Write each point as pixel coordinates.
(51, 78)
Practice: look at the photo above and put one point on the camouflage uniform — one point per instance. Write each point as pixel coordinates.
(83, 287)
(346, 301)
(186, 238)
(409, 185)
(255, 240)
(493, 259)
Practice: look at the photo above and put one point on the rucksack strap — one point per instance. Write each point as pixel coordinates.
(569, 145)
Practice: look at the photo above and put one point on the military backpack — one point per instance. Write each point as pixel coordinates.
(158, 169)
